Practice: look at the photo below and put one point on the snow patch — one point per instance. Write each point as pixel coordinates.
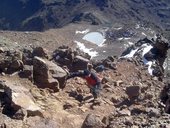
(146, 48)
(137, 26)
(131, 54)
(143, 34)
(118, 28)
(82, 47)
(120, 39)
(82, 32)
(126, 38)
(130, 43)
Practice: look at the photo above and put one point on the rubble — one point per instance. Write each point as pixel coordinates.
(38, 95)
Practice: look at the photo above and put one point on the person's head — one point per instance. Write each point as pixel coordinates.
(89, 66)
(86, 72)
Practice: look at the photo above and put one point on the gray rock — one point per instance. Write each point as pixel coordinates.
(133, 91)
(124, 112)
(11, 61)
(16, 65)
(40, 52)
(38, 122)
(92, 121)
(19, 100)
(47, 74)
(27, 72)
(153, 112)
(80, 63)
(27, 57)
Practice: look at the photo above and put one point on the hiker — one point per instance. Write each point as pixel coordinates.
(92, 80)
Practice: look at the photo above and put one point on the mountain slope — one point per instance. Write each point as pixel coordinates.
(44, 14)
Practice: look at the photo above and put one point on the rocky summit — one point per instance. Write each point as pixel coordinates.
(49, 47)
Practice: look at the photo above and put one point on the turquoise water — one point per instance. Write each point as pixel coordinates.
(94, 37)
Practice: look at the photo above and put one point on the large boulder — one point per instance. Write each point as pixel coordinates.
(17, 100)
(64, 55)
(133, 91)
(27, 57)
(47, 74)
(80, 63)
(92, 121)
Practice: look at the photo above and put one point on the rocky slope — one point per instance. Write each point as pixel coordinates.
(34, 93)
(44, 14)
(33, 89)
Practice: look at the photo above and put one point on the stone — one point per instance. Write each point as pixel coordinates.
(92, 121)
(47, 74)
(20, 114)
(108, 101)
(1, 50)
(115, 99)
(118, 83)
(128, 121)
(149, 95)
(27, 57)
(138, 109)
(124, 112)
(105, 80)
(105, 120)
(11, 61)
(16, 65)
(69, 104)
(80, 63)
(19, 100)
(38, 122)
(153, 112)
(133, 91)
(83, 109)
(40, 52)
(64, 56)
(27, 72)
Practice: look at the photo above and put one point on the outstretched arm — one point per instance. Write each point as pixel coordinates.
(75, 74)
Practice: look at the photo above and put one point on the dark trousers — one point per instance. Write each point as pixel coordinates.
(95, 90)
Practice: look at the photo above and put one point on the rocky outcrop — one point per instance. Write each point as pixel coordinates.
(47, 74)
(11, 61)
(17, 101)
(79, 63)
(74, 59)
